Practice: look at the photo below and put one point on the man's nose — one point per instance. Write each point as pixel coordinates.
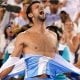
(41, 7)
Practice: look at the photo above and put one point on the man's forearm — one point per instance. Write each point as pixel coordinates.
(1, 55)
(6, 72)
(8, 66)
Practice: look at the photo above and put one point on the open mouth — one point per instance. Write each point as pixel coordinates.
(10, 32)
(41, 12)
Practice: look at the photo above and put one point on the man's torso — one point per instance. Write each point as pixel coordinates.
(40, 43)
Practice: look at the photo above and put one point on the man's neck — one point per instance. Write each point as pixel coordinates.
(39, 26)
(54, 12)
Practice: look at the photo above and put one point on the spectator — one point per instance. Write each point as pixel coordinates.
(53, 15)
(21, 20)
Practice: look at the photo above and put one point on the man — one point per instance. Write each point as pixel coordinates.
(1, 36)
(21, 20)
(39, 47)
(71, 9)
(53, 15)
(33, 40)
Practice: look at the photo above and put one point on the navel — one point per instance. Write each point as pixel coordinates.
(36, 47)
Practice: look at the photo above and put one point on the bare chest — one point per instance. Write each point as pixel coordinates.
(41, 42)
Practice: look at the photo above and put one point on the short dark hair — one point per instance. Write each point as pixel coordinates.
(29, 9)
(54, 1)
(57, 30)
(5, 33)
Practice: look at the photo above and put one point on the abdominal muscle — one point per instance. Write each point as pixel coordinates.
(36, 52)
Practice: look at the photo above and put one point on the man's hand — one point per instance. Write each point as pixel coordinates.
(1, 55)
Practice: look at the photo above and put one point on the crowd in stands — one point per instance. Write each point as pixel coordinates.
(62, 17)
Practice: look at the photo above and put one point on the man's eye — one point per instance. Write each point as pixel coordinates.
(37, 6)
(44, 1)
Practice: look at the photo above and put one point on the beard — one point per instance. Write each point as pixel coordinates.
(42, 18)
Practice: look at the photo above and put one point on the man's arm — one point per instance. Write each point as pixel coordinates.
(1, 55)
(55, 40)
(14, 57)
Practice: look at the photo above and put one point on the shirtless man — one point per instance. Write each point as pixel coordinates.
(39, 47)
(37, 40)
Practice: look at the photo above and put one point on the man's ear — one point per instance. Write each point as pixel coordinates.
(30, 15)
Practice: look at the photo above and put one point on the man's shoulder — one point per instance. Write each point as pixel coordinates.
(25, 33)
(22, 34)
(53, 33)
(21, 37)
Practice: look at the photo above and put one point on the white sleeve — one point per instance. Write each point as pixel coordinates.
(5, 20)
(10, 62)
(10, 47)
(2, 43)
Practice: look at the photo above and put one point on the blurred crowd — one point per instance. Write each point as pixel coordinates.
(62, 17)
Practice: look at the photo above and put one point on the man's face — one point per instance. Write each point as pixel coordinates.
(69, 26)
(45, 2)
(38, 11)
(54, 7)
(9, 32)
